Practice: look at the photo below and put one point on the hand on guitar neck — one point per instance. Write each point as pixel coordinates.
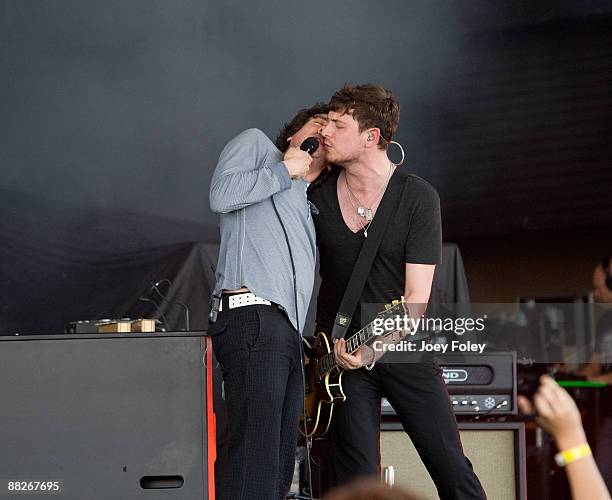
(360, 357)
(344, 359)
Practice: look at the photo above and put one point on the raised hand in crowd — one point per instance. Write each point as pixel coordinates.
(557, 413)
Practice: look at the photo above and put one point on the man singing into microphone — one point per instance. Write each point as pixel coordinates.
(264, 281)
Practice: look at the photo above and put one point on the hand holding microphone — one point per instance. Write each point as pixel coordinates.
(297, 160)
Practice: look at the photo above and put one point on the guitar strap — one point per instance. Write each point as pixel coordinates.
(369, 249)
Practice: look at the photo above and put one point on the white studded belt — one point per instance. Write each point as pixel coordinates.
(241, 300)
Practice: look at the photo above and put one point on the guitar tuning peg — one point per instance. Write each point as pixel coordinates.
(387, 306)
(395, 302)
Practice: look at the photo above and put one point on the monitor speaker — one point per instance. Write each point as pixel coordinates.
(496, 450)
(121, 417)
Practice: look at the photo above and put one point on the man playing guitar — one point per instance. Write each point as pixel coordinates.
(361, 125)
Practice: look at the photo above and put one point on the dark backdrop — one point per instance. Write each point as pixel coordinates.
(126, 105)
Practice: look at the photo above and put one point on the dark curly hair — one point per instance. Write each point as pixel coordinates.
(298, 121)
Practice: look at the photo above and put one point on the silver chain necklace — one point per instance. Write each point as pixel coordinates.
(362, 211)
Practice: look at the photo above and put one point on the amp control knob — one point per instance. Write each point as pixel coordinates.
(489, 403)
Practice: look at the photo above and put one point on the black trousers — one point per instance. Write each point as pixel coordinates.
(259, 353)
(419, 396)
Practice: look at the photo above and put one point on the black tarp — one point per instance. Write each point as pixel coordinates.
(60, 263)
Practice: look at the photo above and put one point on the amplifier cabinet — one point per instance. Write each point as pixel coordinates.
(496, 450)
(121, 417)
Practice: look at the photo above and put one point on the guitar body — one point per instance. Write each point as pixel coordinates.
(321, 392)
(323, 376)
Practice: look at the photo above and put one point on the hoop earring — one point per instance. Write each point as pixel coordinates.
(399, 146)
(402, 151)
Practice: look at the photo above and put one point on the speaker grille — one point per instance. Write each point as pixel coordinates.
(492, 453)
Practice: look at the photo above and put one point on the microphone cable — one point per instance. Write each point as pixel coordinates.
(155, 287)
(301, 345)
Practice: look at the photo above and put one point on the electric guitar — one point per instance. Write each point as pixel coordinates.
(323, 375)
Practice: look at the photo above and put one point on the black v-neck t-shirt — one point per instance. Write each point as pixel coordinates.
(412, 236)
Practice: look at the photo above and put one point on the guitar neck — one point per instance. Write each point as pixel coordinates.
(363, 336)
(328, 362)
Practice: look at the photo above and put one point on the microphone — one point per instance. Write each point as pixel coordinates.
(310, 145)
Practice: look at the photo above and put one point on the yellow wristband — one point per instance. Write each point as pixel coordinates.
(572, 454)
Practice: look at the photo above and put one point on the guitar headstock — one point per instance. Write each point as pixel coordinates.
(397, 306)
(395, 302)
(394, 317)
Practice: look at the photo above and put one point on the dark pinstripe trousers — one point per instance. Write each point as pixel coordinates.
(259, 353)
(418, 394)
